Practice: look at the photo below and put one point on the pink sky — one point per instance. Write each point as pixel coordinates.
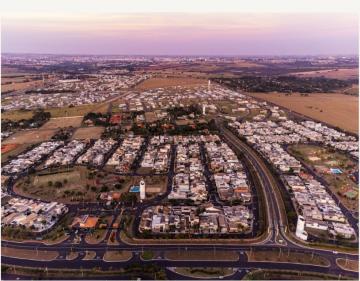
(183, 33)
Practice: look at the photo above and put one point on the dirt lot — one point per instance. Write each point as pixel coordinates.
(340, 73)
(88, 133)
(335, 109)
(19, 149)
(285, 256)
(169, 82)
(30, 136)
(63, 122)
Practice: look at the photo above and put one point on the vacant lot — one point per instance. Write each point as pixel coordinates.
(336, 109)
(202, 255)
(30, 136)
(287, 256)
(169, 82)
(63, 122)
(340, 73)
(88, 133)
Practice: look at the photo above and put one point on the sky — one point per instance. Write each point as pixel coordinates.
(187, 27)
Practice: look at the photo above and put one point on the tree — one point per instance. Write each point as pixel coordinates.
(58, 184)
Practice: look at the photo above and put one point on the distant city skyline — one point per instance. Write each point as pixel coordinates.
(125, 30)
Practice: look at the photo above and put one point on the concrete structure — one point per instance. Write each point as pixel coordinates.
(142, 190)
(300, 229)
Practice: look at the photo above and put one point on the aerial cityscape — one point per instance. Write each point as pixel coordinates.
(170, 142)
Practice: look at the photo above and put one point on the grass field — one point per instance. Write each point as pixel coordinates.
(321, 159)
(29, 254)
(63, 122)
(207, 272)
(88, 133)
(114, 256)
(202, 255)
(76, 185)
(335, 109)
(285, 256)
(30, 136)
(58, 112)
(170, 82)
(352, 265)
(20, 85)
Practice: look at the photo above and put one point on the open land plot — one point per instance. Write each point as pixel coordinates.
(322, 160)
(335, 109)
(80, 110)
(114, 256)
(12, 150)
(30, 136)
(6, 148)
(29, 254)
(70, 185)
(347, 264)
(290, 275)
(170, 82)
(20, 85)
(88, 133)
(17, 115)
(287, 256)
(63, 122)
(207, 272)
(337, 73)
(202, 255)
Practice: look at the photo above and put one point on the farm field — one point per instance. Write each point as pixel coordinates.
(321, 160)
(88, 133)
(340, 73)
(335, 109)
(63, 122)
(170, 82)
(30, 136)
